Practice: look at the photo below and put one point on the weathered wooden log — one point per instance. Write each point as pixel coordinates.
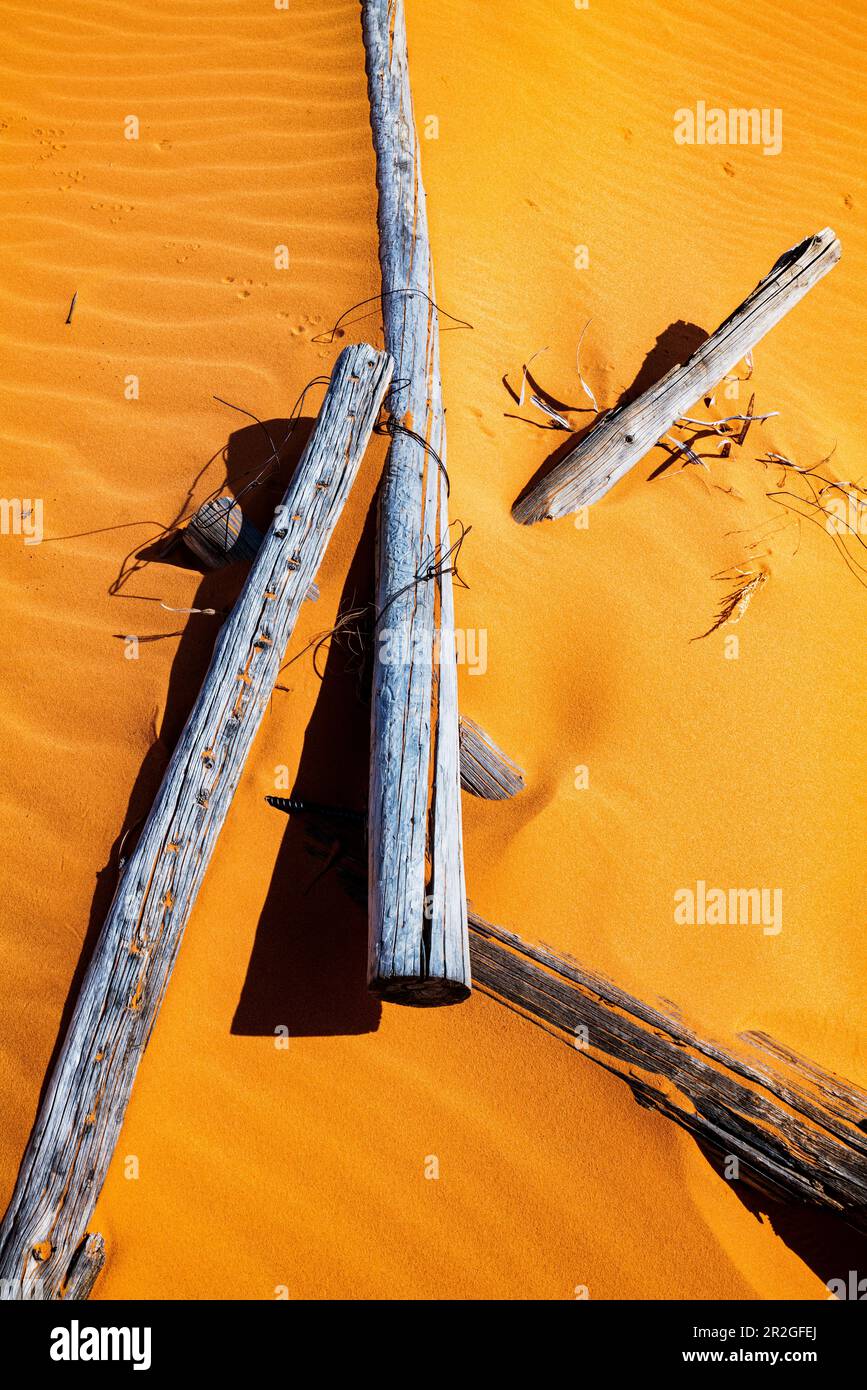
(418, 947)
(797, 1132)
(624, 435)
(78, 1124)
(486, 771)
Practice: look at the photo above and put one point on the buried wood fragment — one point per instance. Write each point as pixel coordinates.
(219, 533)
(797, 1132)
(73, 1139)
(486, 771)
(418, 947)
(622, 436)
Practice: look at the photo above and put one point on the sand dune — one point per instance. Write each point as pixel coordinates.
(261, 1168)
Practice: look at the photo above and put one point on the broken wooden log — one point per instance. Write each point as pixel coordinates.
(418, 947)
(486, 771)
(797, 1133)
(624, 435)
(78, 1124)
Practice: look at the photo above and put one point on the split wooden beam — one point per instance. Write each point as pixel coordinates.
(79, 1122)
(797, 1132)
(418, 944)
(624, 435)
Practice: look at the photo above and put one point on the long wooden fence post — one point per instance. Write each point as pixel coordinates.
(419, 948)
(79, 1123)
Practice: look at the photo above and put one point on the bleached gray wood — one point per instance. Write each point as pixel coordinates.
(486, 771)
(624, 435)
(418, 946)
(78, 1124)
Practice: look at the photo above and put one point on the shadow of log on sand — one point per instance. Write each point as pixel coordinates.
(308, 967)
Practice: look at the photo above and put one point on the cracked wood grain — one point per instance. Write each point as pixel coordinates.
(797, 1132)
(621, 437)
(78, 1124)
(418, 945)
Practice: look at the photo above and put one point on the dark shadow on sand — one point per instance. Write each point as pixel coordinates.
(308, 968)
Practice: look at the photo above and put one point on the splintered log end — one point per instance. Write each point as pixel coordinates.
(87, 1263)
(486, 771)
(419, 992)
(825, 244)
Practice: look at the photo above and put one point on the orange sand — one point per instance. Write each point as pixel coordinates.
(303, 1168)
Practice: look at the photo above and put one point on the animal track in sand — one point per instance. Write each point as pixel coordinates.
(246, 286)
(305, 323)
(186, 247)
